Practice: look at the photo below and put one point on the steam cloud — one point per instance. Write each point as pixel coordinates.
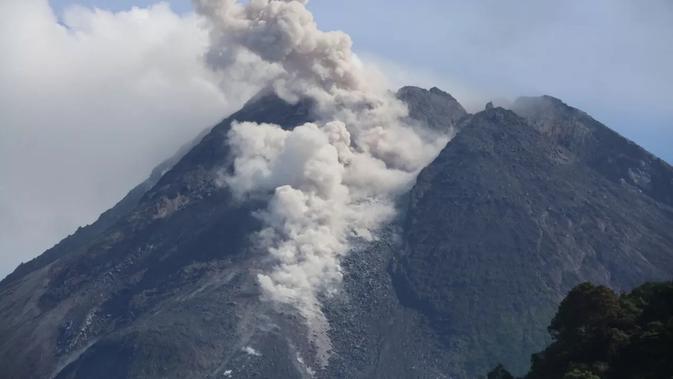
(333, 182)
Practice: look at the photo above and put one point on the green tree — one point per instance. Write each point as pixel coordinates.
(600, 335)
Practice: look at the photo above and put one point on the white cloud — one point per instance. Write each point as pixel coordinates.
(88, 105)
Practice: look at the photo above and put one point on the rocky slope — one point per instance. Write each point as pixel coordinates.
(503, 223)
(434, 107)
(135, 290)
(599, 147)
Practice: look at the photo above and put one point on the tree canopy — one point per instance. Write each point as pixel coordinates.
(598, 334)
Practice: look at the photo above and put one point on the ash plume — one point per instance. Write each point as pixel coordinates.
(332, 182)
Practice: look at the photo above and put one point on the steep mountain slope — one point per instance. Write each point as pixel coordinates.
(155, 256)
(498, 228)
(84, 236)
(504, 223)
(165, 287)
(602, 149)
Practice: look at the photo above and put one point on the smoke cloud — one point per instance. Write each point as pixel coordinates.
(333, 182)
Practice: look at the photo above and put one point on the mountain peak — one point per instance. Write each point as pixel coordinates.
(437, 91)
(268, 107)
(539, 100)
(436, 108)
(603, 149)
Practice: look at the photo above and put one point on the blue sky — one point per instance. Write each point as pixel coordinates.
(612, 59)
(118, 5)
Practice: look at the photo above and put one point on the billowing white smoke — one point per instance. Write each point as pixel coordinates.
(325, 192)
(332, 182)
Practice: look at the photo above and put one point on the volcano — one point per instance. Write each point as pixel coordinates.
(518, 208)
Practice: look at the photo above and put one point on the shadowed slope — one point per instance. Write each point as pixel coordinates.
(503, 223)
